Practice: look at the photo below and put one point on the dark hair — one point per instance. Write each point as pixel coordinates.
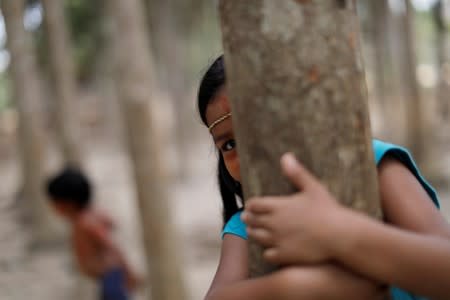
(210, 84)
(70, 186)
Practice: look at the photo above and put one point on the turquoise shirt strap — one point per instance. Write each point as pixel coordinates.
(381, 149)
(235, 226)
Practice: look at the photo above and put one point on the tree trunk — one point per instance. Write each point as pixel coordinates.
(64, 82)
(134, 83)
(27, 96)
(414, 118)
(170, 47)
(442, 48)
(379, 17)
(296, 81)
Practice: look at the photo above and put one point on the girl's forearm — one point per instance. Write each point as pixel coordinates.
(290, 283)
(263, 288)
(414, 262)
(321, 282)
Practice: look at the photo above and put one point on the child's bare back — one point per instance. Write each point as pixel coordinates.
(92, 244)
(96, 253)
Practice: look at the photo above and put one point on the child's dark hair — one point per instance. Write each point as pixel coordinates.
(70, 186)
(212, 81)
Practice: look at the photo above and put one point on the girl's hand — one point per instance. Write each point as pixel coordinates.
(299, 228)
(327, 282)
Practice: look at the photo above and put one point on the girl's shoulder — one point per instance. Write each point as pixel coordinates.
(381, 149)
(235, 226)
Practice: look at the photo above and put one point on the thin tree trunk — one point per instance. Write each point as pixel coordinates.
(27, 96)
(104, 78)
(296, 82)
(64, 82)
(442, 49)
(414, 118)
(397, 112)
(134, 82)
(379, 16)
(171, 61)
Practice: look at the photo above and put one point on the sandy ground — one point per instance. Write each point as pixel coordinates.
(49, 273)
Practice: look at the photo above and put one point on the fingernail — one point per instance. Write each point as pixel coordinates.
(270, 253)
(289, 161)
(244, 216)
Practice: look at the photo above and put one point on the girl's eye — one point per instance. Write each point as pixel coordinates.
(228, 146)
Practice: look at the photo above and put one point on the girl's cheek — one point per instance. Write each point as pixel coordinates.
(232, 164)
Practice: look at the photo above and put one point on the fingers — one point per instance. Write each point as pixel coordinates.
(271, 255)
(261, 205)
(275, 256)
(261, 236)
(254, 220)
(297, 173)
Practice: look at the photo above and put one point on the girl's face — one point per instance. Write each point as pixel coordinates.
(222, 132)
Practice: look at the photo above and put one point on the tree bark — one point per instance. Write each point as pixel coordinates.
(63, 79)
(28, 99)
(134, 83)
(296, 82)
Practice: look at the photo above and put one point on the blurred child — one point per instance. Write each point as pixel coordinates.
(97, 255)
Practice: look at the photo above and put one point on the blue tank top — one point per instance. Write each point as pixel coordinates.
(236, 227)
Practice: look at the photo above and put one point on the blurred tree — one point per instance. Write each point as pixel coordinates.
(63, 79)
(27, 98)
(379, 11)
(414, 114)
(172, 26)
(134, 83)
(287, 96)
(84, 18)
(442, 48)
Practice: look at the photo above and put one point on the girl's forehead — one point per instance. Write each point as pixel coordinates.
(218, 107)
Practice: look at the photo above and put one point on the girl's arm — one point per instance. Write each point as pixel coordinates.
(416, 259)
(296, 283)
(311, 227)
(415, 262)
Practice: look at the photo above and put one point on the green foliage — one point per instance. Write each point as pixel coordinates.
(84, 18)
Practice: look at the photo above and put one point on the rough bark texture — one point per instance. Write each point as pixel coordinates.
(296, 82)
(134, 86)
(27, 97)
(64, 82)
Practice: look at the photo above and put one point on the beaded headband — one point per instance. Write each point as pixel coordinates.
(216, 122)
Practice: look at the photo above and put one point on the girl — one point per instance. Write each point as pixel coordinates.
(405, 199)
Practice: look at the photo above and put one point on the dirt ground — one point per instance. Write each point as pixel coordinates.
(49, 273)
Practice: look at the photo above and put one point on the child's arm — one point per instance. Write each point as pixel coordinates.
(106, 219)
(103, 236)
(311, 227)
(297, 283)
